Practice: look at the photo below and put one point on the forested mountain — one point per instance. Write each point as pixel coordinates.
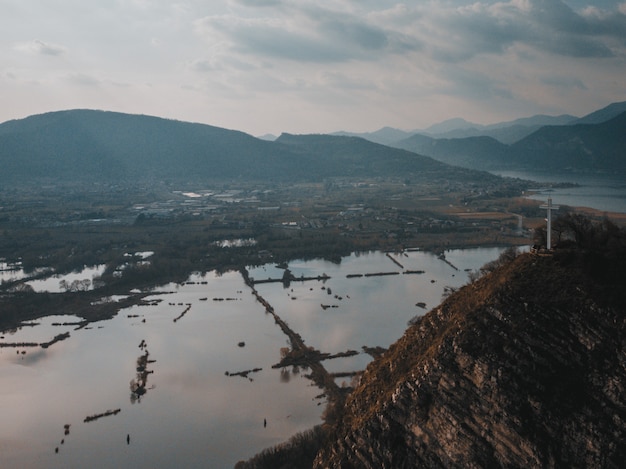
(472, 152)
(587, 147)
(604, 114)
(85, 144)
(353, 156)
(108, 146)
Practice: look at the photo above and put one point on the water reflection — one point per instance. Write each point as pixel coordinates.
(82, 280)
(139, 384)
(212, 401)
(10, 272)
(606, 192)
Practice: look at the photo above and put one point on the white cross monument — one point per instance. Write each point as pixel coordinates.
(549, 207)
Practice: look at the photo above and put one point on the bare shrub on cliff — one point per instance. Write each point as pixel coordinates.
(299, 451)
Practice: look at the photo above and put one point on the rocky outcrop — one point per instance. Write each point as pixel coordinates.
(525, 367)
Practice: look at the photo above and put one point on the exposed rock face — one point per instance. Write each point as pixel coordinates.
(525, 367)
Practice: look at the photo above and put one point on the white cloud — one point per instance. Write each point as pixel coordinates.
(448, 31)
(82, 79)
(563, 81)
(347, 63)
(41, 48)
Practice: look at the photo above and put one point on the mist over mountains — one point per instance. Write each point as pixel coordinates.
(595, 142)
(87, 145)
(507, 132)
(574, 147)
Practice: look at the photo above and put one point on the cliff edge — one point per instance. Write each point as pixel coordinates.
(524, 367)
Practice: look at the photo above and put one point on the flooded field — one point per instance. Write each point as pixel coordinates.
(186, 379)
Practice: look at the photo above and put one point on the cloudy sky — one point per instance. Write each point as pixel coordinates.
(307, 66)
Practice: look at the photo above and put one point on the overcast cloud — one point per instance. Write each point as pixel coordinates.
(313, 66)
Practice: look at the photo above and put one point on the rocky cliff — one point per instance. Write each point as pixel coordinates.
(525, 367)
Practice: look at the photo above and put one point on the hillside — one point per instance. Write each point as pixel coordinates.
(604, 114)
(384, 136)
(353, 156)
(96, 145)
(578, 147)
(522, 368)
(590, 147)
(85, 145)
(504, 132)
(481, 153)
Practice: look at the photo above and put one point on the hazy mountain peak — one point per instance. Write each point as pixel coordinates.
(448, 125)
(267, 137)
(604, 114)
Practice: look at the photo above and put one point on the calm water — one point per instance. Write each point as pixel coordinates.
(606, 193)
(193, 414)
(62, 283)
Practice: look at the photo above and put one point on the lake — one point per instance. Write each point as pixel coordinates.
(601, 192)
(185, 344)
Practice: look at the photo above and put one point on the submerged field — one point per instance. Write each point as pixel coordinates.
(209, 379)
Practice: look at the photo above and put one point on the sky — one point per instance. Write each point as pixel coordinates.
(313, 66)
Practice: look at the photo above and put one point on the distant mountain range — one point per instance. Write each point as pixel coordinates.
(596, 142)
(505, 132)
(86, 145)
(577, 147)
(384, 136)
(604, 114)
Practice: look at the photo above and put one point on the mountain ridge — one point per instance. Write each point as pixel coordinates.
(521, 368)
(88, 145)
(524, 366)
(604, 114)
(507, 132)
(109, 146)
(578, 147)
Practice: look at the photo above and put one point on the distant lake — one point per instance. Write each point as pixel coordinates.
(193, 414)
(601, 192)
